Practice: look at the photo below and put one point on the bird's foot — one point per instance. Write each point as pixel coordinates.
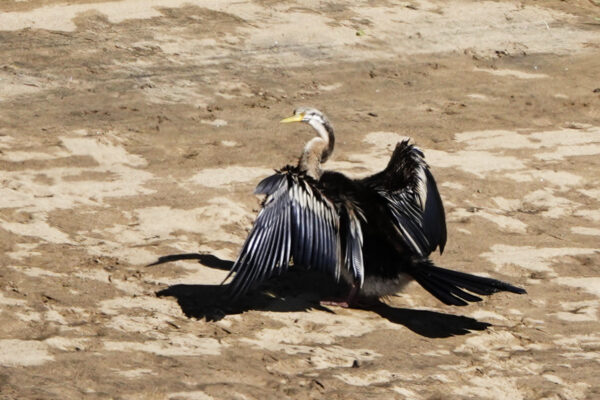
(348, 302)
(354, 300)
(357, 302)
(336, 303)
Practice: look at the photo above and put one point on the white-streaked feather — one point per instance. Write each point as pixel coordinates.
(421, 187)
(296, 222)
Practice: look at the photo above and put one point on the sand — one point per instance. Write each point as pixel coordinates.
(132, 130)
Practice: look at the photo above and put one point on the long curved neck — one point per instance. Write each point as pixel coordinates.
(317, 150)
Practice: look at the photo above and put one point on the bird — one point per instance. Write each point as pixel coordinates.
(374, 233)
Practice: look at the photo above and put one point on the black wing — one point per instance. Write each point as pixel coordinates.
(297, 222)
(412, 197)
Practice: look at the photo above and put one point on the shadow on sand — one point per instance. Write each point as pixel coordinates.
(299, 290)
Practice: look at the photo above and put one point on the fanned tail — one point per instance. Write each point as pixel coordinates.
(448, 285)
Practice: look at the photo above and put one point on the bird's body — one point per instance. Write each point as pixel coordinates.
(375, 233)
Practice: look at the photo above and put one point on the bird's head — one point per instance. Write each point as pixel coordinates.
(311, 116)
(318, 149)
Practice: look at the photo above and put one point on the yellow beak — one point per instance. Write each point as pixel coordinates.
(293, 118)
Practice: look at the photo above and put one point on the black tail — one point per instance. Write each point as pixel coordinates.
(448, 285)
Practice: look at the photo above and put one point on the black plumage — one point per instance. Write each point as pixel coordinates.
(375, 233)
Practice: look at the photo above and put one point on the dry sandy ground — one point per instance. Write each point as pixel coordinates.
(135, 129)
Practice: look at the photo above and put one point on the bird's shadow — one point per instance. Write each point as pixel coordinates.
(299, 290)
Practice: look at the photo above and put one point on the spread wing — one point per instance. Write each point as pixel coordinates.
(297, 222)
(411, 194)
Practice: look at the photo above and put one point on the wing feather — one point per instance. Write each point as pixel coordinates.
(297, 222)
(354, 241)
(319, 249)
(412, 198)
(434, 217)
